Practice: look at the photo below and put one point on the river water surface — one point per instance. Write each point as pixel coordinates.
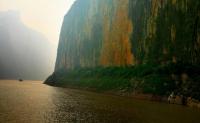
(34, 102)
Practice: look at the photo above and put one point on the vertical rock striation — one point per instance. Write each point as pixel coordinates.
(129, 32)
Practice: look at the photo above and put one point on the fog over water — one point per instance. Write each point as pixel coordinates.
(29, 33)
(24, 52)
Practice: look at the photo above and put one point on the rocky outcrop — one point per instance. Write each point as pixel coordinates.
(129, 32)
(96, 33)
(165, 31)
(130, 46)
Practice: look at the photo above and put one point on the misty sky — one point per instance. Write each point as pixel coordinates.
(44, 16)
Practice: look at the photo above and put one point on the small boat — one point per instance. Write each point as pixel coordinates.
(20, 80)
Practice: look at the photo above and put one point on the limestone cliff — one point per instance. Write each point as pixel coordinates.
(129, 32)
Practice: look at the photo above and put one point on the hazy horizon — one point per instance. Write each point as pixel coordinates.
(29, 36)
(99, 61)
(24, 52)
(44, 16)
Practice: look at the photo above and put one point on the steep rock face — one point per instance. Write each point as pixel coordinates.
(166, 31)
(95, 33)
(128, 32)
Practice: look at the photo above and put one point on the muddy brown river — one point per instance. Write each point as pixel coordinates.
(34, 102)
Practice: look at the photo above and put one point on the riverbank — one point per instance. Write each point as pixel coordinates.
(177, 100)
(35, 102)
(151, 82)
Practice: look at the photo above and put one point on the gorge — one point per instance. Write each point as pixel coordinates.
(141, 46)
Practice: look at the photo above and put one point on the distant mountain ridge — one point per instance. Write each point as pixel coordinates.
(24, 53)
